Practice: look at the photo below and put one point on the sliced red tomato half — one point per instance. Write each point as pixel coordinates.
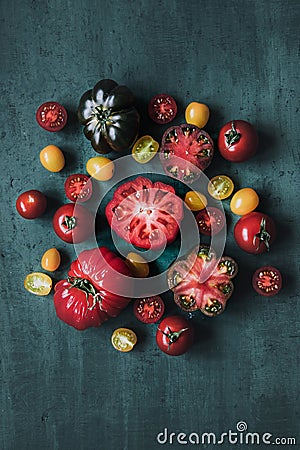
(78, 187)
(149, 309)
(210, 220)
(211, 295)
(52, 116)
(145, 214)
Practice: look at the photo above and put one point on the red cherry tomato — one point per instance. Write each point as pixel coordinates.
(31, 204)
(210, 220)
(73, 223)
(78, 187)
(51, 116)
(149, 310)
(237, 141)
(162, 108)
(175, 335)
(255, 232)
(267, 281)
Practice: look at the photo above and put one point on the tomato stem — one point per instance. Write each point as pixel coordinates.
(233, 136)
(70, 222)
(262, 236)
(86, 286)
(173, 336)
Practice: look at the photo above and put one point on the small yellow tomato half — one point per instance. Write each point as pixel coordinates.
(51, 260)
(197, 114)
(144, 149)
(195, 200)
(123, 339)
(137, 264)
(38, 283)
(244, 201)
(52, 158)
(100, 168)
(220, 187)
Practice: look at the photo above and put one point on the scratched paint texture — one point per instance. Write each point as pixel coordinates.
(62, 389)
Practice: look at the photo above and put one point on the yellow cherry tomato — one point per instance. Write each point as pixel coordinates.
(197, 114)
(51, 260)
(244, 201)
(195, 200)
(100, 168)
(137, 265)
(38, 283)
(220, 187)
(144, 149)
(123, 339)
(52, 158)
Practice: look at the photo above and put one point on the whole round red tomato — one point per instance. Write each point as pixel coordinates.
(31, 204)
(255, 232)
(175, 335)
(238, 141)
(73, 223)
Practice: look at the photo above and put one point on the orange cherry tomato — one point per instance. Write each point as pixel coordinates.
(197, 114)
(100, 168)
(244, 201)
(195, 200)
(123, 339)
(137, 265)
(52, 158)
(220, 187)
(51, 260)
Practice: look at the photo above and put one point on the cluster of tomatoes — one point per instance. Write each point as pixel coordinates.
(237, 142)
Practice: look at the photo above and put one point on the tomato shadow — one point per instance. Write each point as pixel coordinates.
(266, 140)
(73, 161)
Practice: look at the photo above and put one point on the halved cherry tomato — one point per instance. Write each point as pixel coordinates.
(38, 283)
(31, 204)
(52, 158)
(144, 149)
(220, 187)
(149, 309)
(267, 281)
(138, 266)
(210, 220)
(78, 187)
(195, 200)
(123, 339)
(162, 108)
(51, 116)
(197, 114)
(244, 201)
(100, 168)
(51, 260)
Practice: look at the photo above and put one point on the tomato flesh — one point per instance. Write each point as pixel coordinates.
(123, 339)
(162, 108)
(78, 187)
(149, 309)
(185, 151)
(220, 187)
(52, 116)
(144, 149)
(210, 220)
(38, 283)
(145, 214)
(267, 281)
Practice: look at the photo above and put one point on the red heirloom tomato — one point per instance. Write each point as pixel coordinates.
(85, 299)
(267, 281)
(162, 108)
(31, 204)
(210, 220)
(254, 232)
(149, 310)
(184, 148)
(73, 223)
(145, 214)
(237, 141)
(51, 116)
(211, 295)
(175, 335)
(78, 187)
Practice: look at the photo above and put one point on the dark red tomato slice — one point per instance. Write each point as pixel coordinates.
(210, 220)
(78, 187)
(149, 310)
(51, 116)
(267, 281)
(185, 151)
(162, 108)
(31, 204)
(145, 214)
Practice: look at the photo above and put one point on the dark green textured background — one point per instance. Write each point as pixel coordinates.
(62, 389)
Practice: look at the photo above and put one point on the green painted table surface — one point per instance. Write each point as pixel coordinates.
(64, 389)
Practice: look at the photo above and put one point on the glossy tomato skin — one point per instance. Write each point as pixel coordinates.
(238, 141)
(52, 158)
(197, 114)
(31, 204)
(244, 201)
(177, 345)
(73, 223)
(255, 232)
(86, 299)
